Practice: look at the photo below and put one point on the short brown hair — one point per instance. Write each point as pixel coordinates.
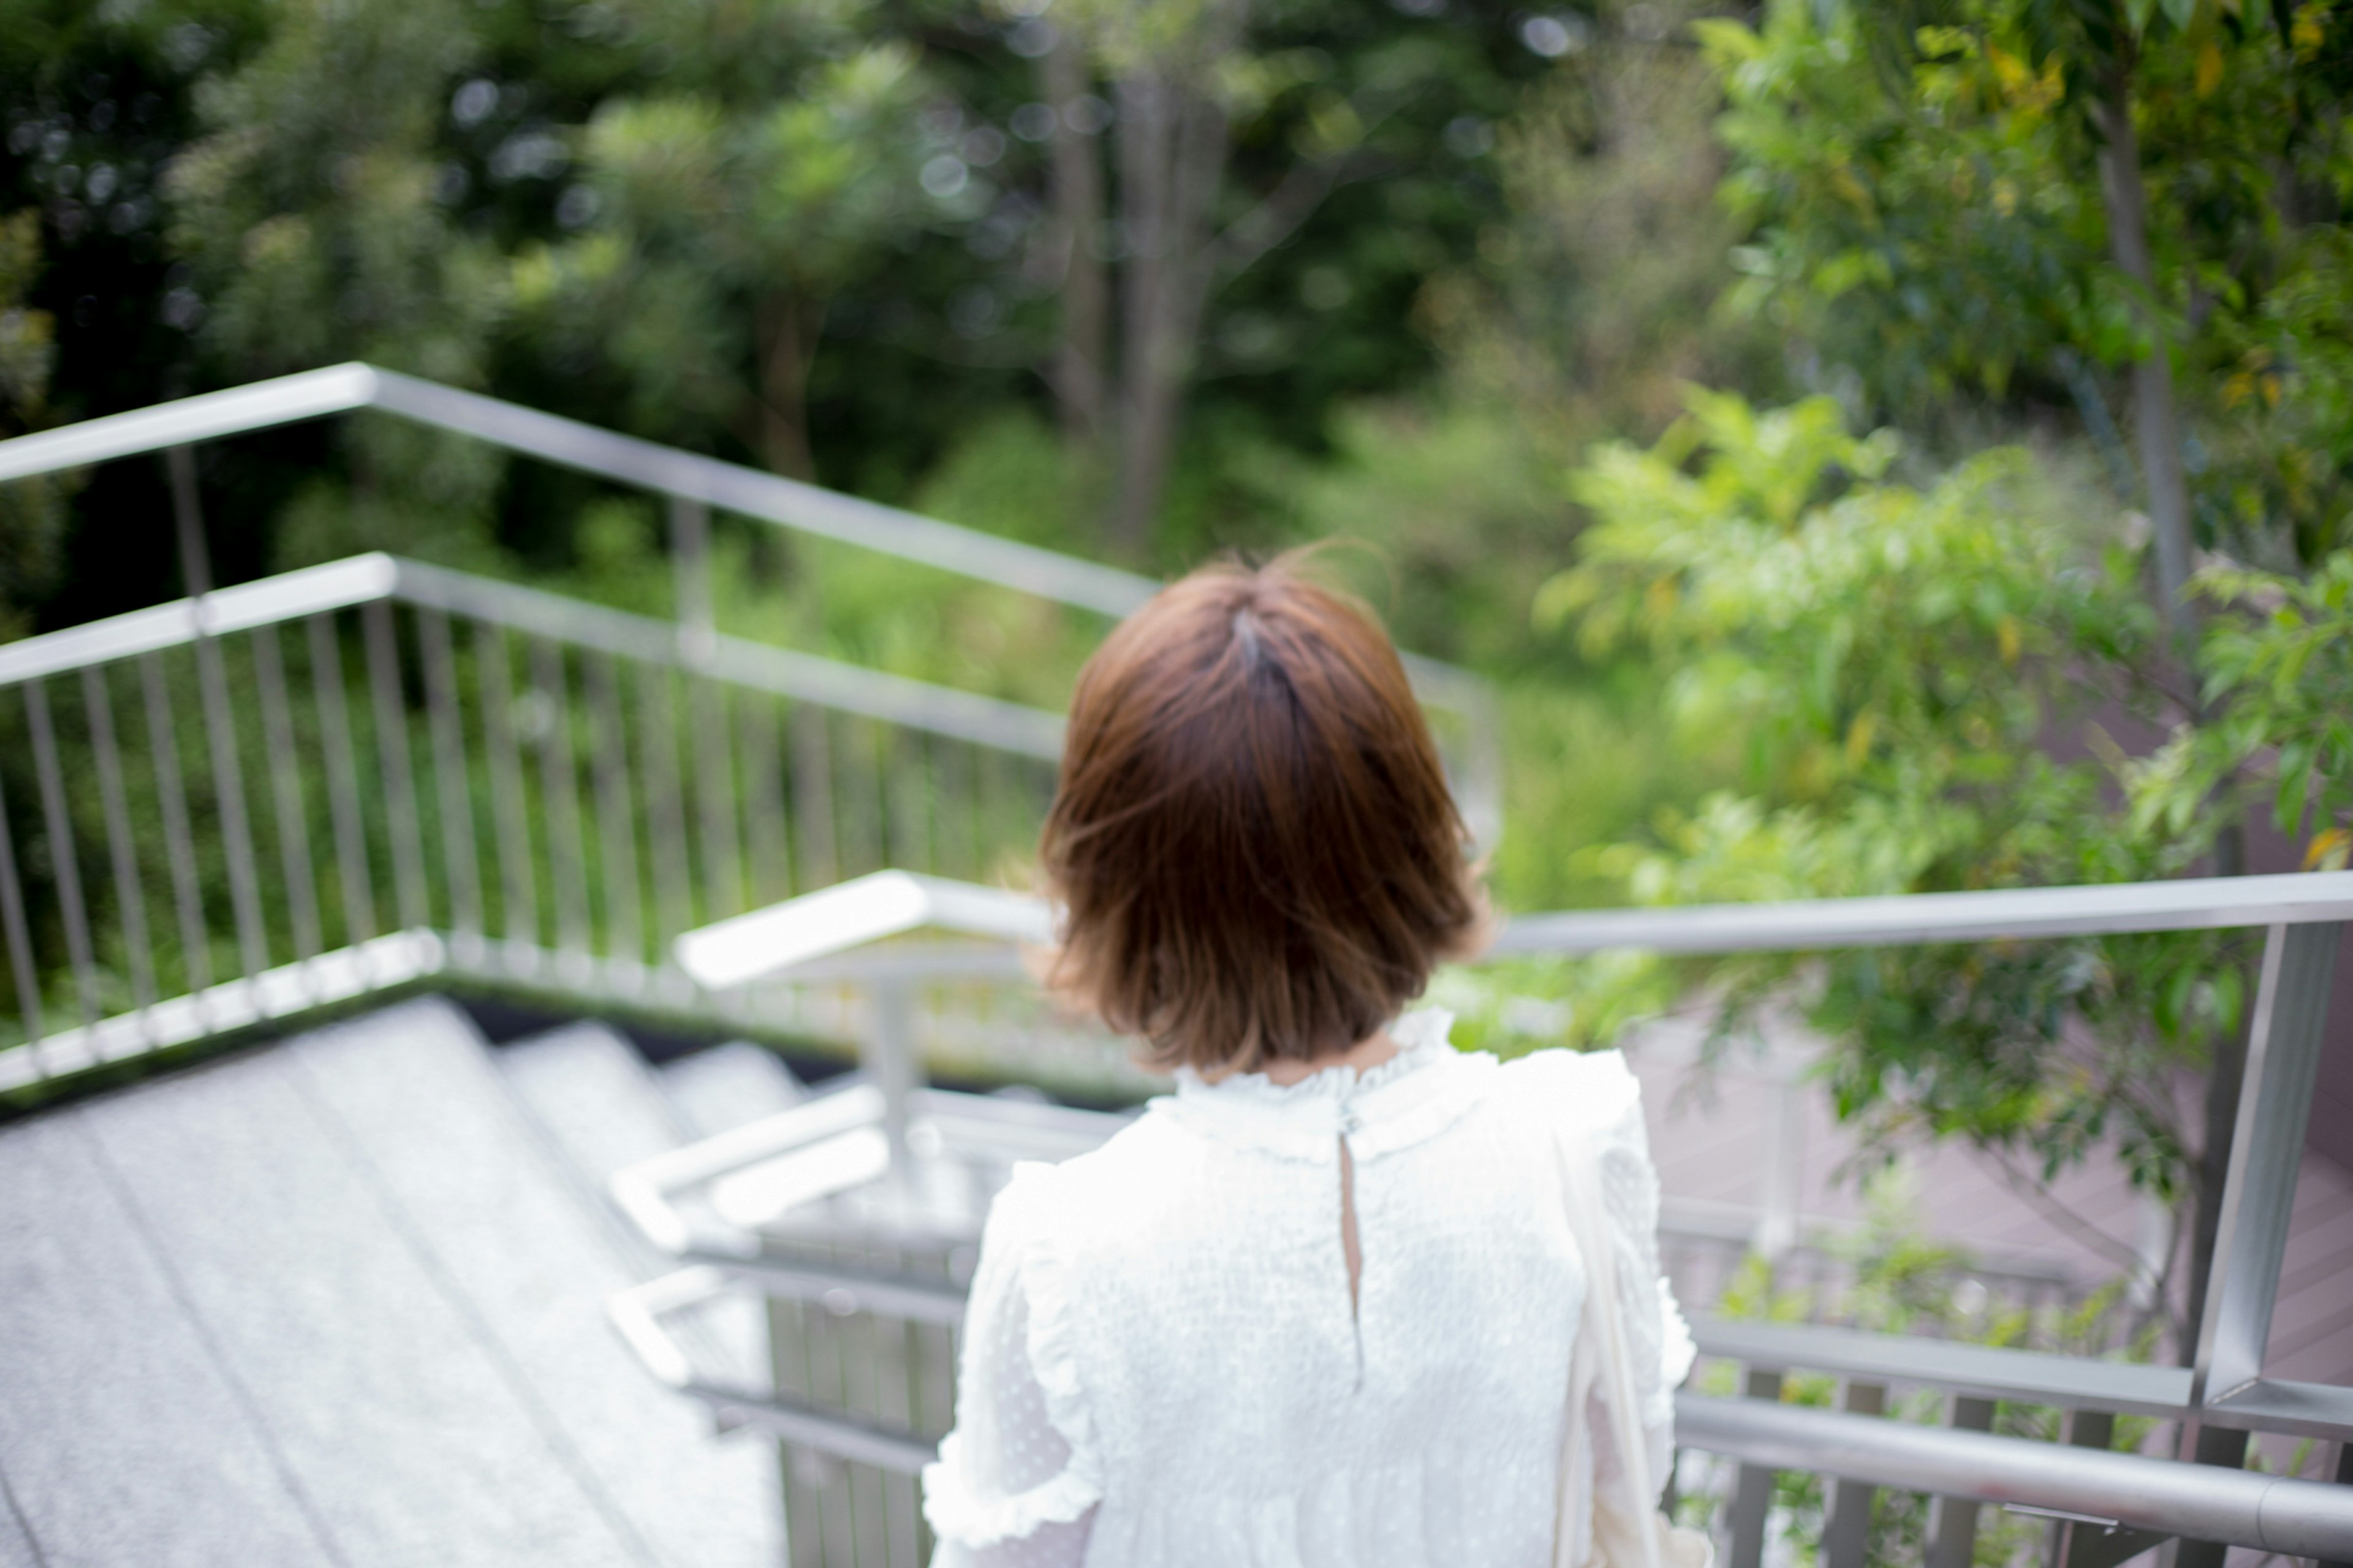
(1253, 842)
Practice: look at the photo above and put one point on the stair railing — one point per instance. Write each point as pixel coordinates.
(2102, 1506)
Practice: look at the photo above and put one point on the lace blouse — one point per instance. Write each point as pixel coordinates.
(1164, 1365)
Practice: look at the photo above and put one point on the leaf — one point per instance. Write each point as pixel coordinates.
(2210, 67)
(2329, 851)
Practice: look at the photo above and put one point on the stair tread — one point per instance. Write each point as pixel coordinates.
(728, 1085)
(101, 1469)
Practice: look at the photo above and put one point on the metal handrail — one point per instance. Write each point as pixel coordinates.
(2202, 1502)
(381, 578)
(2304, 916)
(1995, 914)
(691, 478)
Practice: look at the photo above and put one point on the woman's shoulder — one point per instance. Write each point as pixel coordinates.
(1593, 1090)
(1042, 1199)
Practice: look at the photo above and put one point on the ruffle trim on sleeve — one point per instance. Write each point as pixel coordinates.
(956, 1513)
(1053, 1356)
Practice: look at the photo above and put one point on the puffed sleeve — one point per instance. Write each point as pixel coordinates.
(1658, 1341)
(1593, 1103)
(1015, 1485)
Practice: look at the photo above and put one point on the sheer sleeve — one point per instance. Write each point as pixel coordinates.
(1014, 1487)
(1658, 1341)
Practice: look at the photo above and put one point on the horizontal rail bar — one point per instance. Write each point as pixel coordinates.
(2306, 1409)
(2200, 904)
(569, 442)
(827, 1431)
(261, 405)
(2202, 1502)
(844, 1290)
(382, 963)
(288, 596)
(344, 388)
(366, 579)
(1988, 1372)
(846, 687)
(2007, 914)
(637, 1316)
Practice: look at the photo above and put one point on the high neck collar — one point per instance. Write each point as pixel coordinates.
(1401, 1100)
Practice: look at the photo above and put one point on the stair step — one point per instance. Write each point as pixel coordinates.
(315, 1252)
(501, 1221)
(722, 1087)
(598, 1108)
(124, 1436)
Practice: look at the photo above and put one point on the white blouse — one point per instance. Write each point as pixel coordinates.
(1163, 1365)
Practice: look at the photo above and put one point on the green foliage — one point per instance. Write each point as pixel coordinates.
(32, 516)
(2278, 678)
(308, 211)
(1895, 660)
(1902, 1281)
(1921, 192)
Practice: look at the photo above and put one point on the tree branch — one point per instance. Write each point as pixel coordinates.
(1292, 201)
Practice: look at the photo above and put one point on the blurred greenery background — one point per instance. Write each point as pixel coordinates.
(1871, 448)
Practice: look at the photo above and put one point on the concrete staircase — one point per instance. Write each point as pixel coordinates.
(340, 1300)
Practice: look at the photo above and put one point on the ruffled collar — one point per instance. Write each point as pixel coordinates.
(1413, 1095)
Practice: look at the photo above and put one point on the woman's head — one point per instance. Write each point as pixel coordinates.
(1253, 841)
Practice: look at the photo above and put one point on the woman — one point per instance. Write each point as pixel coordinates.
(1318, 1307)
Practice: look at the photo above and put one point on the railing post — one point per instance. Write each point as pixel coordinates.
(2344, 1478)
(690, 587)
(1846, 1530)
(1752, 1498)
(891, 1063)
(1953, 1521)
(2266, 1153)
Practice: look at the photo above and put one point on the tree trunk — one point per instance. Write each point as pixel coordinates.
(1083, 358)
(2156, 421)
(1172, 158)
(788, 326)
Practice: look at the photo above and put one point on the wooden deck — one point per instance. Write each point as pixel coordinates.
(1716, 1150)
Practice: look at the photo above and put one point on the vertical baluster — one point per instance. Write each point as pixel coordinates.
(665, 810)
(130, 896)
(1752, 1497)
(1846, 1535)
(453, 792)
(220, 727)
(20, 936)
(517, 893)
(1952, 1521)
(179, 843)
(616, 825)
(909, 820)
(391, 712)
(64, 862)
(820, 861)
(228, 803)
(286, 792)
(763, 800)
(2074, 1545)
(559, 800)
(862, 850)
(343, 781)
(959, 855)
(714, 801)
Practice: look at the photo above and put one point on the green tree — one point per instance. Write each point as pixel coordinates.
(1896, 658)
(1981, 193)
(731, 202)
(310, 214)
(32, 516)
